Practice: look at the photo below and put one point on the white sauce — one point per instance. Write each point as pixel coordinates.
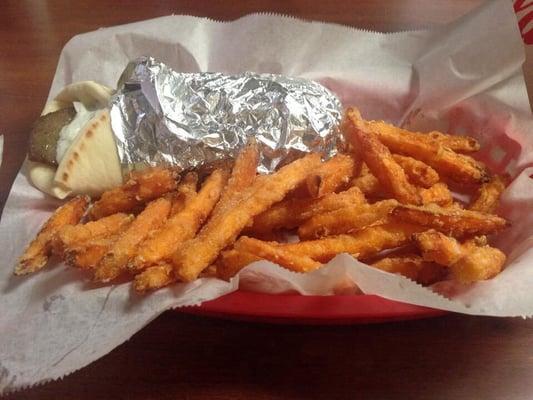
(70, 132)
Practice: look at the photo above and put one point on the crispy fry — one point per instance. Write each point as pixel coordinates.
(488, 195)
(362, 244)
(36, 254)
(153, 278)
(330, 176)
(161, 275)
(89, 257)
(464, 144)
(345, 220)
(367, 183)
(232, 261)
(418, 172)
(413, 267)
(151, 218)
(196, 254)
(290, 213)
(178, 202)
(89, 254)
(452, 221)
(471, 261)
(438, 247)
(74, 235)
(456, 204)
(186, 192)
(481, 240)
(438, 194)
(140, 188)
(181, 226)
(242, 176)
(479, 263)
(461, 144)
(381, 163)
(276, 254)
(188, 185)
(444, 160)
(209, 272)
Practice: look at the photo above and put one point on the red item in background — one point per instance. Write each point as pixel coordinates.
(524, 14)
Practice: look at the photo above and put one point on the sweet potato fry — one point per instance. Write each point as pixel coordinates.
(36, 254)
(362, 244)
(461, 144)
(452, 221)
(381, 163)
(330, 176)
(479, 263)
(140, 188)
(436, 246)
(161, 275)
(196, 254)
(209, 272)
(89, 257)
(471, 261)
(345, 220)
(438, 194)
(186, 192)
(242, 176)
(232, 261)
(443, 159)
(89, 254)
(178, 203)
(151, 218)
(418, 172)
(154, 278)
(273, 252)
(181, 226)
(290, 213)
(413, 267)
(75, 235)
(367, 183)
(488, 196)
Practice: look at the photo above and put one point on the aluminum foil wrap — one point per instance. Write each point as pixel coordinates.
(160, 116)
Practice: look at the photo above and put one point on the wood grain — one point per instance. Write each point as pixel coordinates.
(185, 357)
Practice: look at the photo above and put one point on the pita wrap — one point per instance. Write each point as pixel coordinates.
(91, 164)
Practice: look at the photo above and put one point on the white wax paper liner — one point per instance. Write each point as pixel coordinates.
(464, 77)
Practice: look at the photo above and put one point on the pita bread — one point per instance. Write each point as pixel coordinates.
(91, 164)
(42, 177)
(91, 94)
(95, 176)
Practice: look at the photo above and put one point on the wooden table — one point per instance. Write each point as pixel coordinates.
(186, 357)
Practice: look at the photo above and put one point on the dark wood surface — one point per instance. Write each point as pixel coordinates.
(188, 357)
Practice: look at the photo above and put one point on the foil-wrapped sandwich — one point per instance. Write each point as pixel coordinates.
(90, 136)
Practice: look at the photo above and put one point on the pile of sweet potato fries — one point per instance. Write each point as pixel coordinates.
(385, 200)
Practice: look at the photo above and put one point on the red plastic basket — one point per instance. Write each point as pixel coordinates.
(323, 310)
